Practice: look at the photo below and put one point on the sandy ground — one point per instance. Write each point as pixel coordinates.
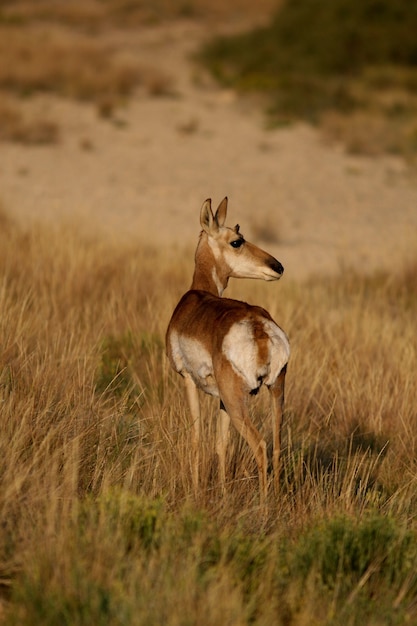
(146, 173)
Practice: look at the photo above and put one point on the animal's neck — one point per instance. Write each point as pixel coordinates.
(208, 275)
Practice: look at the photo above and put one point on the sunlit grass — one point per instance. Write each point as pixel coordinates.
(98, 519)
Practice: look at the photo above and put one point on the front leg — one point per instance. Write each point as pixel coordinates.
(194, 405)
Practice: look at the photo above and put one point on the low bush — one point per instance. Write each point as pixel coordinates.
(344, 56)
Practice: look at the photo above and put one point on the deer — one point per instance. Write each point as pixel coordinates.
(229, 348)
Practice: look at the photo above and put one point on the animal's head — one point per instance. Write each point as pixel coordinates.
(233, 255)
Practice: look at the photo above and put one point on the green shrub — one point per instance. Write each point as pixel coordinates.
(342, 552)
(122, 367)
(312, 48)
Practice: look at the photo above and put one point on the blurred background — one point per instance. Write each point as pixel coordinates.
(127, 114)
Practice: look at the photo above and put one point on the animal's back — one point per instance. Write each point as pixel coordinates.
(204, 324)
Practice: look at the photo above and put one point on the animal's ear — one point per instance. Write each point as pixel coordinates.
(207, 220)
(221, 212)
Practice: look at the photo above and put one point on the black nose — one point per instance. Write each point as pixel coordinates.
(276, 266)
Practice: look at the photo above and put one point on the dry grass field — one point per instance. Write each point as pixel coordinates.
(98, 521)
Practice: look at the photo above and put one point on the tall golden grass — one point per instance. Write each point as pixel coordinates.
(98, 523)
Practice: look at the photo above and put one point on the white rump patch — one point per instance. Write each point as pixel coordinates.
(241, 349)
(279, 349)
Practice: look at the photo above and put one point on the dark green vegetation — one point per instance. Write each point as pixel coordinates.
(98, 522)
(317, 56)
(155, 567)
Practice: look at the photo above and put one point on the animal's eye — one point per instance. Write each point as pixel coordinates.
(237, 243)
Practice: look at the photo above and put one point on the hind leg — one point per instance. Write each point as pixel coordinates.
(277, 405)
(235, 400)
(222, 436)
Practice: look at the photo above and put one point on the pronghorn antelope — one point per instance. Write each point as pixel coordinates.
(226, 347)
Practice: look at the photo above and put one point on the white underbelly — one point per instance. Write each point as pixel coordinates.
(189, 355)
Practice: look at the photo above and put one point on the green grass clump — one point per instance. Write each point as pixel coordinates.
(334, 55)
(343, 551)
(123, 359)
(129, 560)
(310, 47)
